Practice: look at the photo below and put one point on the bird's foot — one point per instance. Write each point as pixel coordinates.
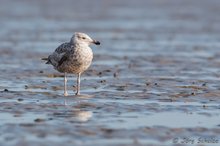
(77, 93)
(65, 94)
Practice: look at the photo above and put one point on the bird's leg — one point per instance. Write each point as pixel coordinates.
(78, 84)
(65, 82)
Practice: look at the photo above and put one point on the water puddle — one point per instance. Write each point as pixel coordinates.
(170, 119)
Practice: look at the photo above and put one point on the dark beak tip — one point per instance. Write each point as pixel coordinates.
(97, 43)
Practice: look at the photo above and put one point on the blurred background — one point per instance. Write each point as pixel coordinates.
(158, 63)
(125, 28)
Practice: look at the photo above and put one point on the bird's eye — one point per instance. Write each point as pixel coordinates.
(83, 38)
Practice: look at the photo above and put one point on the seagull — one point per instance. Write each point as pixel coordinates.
(73, 57)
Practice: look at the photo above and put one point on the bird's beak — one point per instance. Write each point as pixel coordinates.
(96, 42)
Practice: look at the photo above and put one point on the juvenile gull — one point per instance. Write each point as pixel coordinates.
(73, 57)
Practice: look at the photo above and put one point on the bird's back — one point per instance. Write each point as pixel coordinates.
(56, 56)
(63, 48)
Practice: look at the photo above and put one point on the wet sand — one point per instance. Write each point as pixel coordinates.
(155, 80)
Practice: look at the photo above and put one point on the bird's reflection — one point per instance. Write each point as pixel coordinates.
(75, 115)
(83, 116)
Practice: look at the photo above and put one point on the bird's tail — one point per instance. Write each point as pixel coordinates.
(46, 59)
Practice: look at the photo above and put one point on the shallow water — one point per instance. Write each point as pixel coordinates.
(154, 79)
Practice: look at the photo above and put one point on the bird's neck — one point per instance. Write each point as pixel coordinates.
(81, 45)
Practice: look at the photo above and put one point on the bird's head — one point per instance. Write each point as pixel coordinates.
(83, 39)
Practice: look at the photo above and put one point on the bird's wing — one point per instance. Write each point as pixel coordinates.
(63, 58)
(60, 54)
(63, 48)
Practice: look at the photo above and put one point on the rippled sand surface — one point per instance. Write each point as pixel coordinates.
(155, 80)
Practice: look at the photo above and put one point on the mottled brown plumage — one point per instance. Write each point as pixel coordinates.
(73, 57)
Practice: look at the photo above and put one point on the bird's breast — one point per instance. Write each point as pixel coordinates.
(83, 55)
(78, 62)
